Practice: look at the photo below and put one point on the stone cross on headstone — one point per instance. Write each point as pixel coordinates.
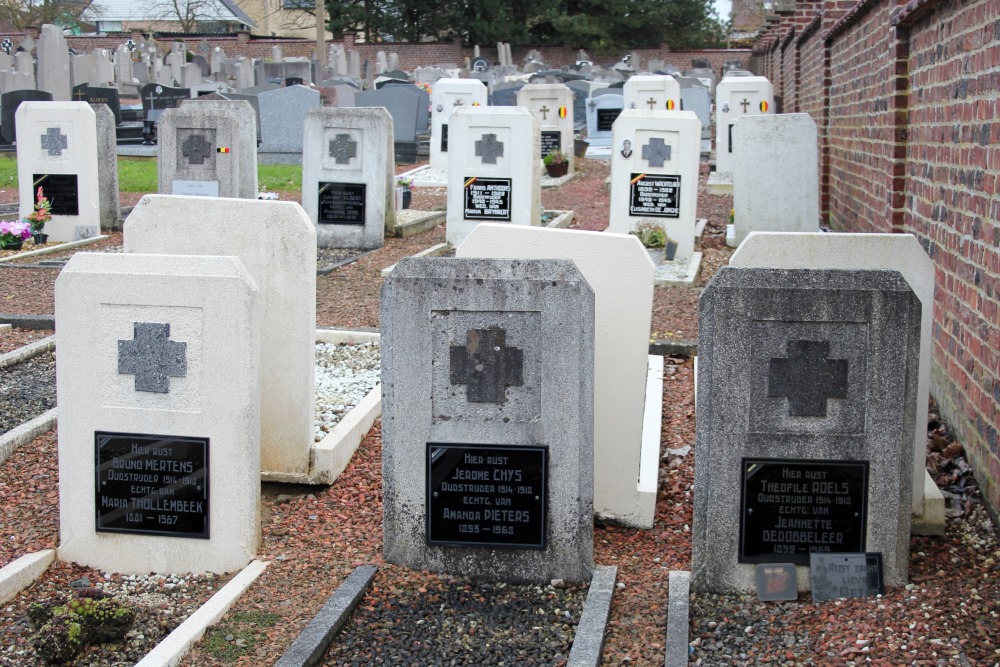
(545, 112)
(54, 141)
(656, 152)
(7, 45)
(80, 95)
(489, 149)
(196, 149)
(745, 103)
(342, 149)
(807, 378)
(486, 366)
(130, 45)
(152, 357)
(651, 102)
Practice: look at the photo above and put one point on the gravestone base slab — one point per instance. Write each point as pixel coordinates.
(699, 230)
(550, 182)
(558, 219)
(426, 177)
(720, 183)
(410, 222)
(931, 520)
(598, 152)
(678, 273)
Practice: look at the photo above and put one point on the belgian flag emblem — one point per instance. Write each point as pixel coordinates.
(562, 112)
(223, 149)
(670, 105)
(763, 106)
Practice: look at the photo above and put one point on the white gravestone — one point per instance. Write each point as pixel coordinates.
(57, 151)
(159, 438)
(775, 174)
(654, 175)
(493, 170)
(448, 95)
(652, 92)
(277, 244)
(618, 269)
(899, 252)
(348, 176)
(736, 97)
(208, 149)
(602, 111)
(552, 106)
(53, 63)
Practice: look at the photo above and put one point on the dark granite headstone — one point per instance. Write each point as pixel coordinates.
(96, 95)
(9, 102)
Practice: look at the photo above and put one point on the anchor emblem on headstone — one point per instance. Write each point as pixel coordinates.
(489, 149)
(54, 141)
(342, 149)
(458, 102)
(196, 148)
(656, 152)
(486, 366)
(807, 377)
(152, 357)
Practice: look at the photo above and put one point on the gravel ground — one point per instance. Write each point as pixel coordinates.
(27, 390)
(344, 375)
(15, 337)
(315, 536)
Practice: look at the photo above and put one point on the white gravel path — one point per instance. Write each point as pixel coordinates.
(344, 375)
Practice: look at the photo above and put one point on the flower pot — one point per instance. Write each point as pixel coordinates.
(557, 170)
(39, 238)
(407, 198)
(11, 245)
(580, 147)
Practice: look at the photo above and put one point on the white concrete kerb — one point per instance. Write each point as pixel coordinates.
(21, 573)
(56, 248)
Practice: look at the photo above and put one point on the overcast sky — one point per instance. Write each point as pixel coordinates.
(722, 8)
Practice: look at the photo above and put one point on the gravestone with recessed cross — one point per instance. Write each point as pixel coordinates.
(208, 149)
(735, 97)
(494, 172)
(348, 176)
(652, 92)
(277, 244)
(552, 106)
(487, 425)
(447, 95)
(57, 151)
(158, 387)
(807, 385)
(654, 176)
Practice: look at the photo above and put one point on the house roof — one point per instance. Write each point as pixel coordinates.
(161, 10)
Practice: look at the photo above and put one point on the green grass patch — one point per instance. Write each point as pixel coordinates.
(221, 640)
(139, 174)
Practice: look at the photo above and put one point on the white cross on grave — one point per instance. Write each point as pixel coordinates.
(152, 357)
(656, 152)
(489, 149)
(54, 141)
(342, 149)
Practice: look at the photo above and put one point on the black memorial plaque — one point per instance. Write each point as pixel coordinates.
(845, 575)
(731, 137)
(444, 137)
(151, 484)
(61, 190)
(655, 196)
(551, 141)
(790, 509)
(487, 198)
(487, 495)
(606, 119)
(342, 203)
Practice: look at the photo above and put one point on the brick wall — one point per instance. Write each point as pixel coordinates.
(951, 204)
(861, 138)
(905, 97)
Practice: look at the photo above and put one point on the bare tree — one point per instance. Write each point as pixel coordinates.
(19, 14)
(188, 13)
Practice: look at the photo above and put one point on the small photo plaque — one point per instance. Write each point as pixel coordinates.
(342, 203)
(486, 495)
(487, 198)
(835, 576)
(62, 191)
(195, 188)
(151, 484)
(793, 508)
(776, 581)
(551, 141)
(655, 196)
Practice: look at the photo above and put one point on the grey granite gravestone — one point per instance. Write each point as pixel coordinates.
(807, 384)
(109, 204)
(282, 119)
(487, 423)
(505, 94)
